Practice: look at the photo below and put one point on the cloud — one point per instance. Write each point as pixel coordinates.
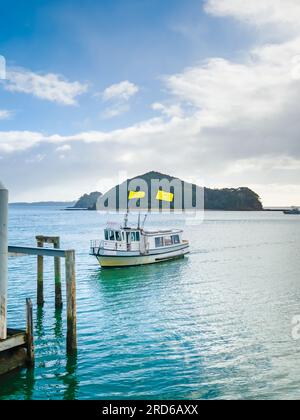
(16, 141)
(2, 67)
(50, 87)
(64, 148)
(120, 91)
(35, 159)
(5, 114)
(115, 111)
(279, 12)
(228, 92)
(171, 111)
(118, 95)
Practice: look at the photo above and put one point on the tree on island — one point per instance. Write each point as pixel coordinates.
(87, 200)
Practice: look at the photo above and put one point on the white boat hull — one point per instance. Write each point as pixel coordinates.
(116, 261)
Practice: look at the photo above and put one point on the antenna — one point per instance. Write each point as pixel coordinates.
(126, 221)
(139, 220)
(144, 221)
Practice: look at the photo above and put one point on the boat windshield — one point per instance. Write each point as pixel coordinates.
(119, 236)
(112, 235)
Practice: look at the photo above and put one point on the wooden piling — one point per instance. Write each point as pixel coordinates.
(29, 333)
(40, 276)
(71, 301)
(55, 241)
(57, 253)
(3, 260)
(57, 273)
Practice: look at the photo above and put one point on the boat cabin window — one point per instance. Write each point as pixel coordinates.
(118, 236)
(112, 235)
(123, 236)
(175, 239)
(159, 242)
(167, 241)
(135, 236)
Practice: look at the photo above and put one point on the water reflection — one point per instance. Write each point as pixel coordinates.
(19, 383)
(70, 380)
(58, 329)
(40, 322)
(29, 383)
(125, 278)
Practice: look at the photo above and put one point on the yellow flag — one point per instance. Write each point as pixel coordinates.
(136, 195)
(165, 196)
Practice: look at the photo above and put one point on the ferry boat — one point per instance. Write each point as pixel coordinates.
(126, 246)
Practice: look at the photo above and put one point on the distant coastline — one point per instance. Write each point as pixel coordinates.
(44, 204)
(70, 206)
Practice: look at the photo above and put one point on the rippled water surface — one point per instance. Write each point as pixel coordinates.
(215, 325)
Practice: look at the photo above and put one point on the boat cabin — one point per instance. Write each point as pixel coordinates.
(129, 239)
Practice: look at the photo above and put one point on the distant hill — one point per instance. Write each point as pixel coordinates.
(87, 201)
(235, 199)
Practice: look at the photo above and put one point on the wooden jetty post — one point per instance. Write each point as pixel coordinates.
(3, 260)
(16, 346)
(29, 333)
(57, 274)
(71, 301)
(40, 277)
(69, 256)
(55, 241)
(17, 349)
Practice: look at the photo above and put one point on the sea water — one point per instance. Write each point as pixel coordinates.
(215, 325)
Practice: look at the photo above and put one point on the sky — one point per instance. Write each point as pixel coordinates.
(93, 92)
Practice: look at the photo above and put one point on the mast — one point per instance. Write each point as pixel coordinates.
(139, 221)
(144, 221)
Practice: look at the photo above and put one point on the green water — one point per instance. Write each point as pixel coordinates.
(214, 325)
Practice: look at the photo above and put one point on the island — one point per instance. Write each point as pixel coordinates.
(231, 199)
(86, 201)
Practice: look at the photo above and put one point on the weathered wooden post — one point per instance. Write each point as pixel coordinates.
(71, 301)
(40, 275)
(57, 270)
(29, 333)
(3, 260)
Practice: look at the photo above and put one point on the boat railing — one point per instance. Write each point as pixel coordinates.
(95, 246)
